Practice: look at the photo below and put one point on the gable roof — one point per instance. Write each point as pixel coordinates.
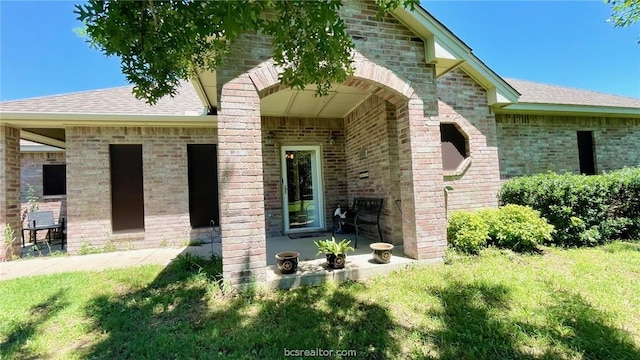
(113, 101)
(447, 51)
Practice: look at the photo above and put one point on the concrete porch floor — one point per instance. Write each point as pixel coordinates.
(312, 268)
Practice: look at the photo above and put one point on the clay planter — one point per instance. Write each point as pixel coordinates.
(287, 261)
(336, 261)
(381, 252)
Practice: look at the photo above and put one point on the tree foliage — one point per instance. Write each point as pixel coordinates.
(161, 43)
(625, 12)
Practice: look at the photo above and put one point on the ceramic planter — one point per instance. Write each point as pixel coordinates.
(381, 252)
(336, 261)
(287, 261)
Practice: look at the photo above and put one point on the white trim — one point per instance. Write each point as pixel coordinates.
(39, 149)
(58, 144)
(26, 119)
(566, 109)
(440, 41)
(318, 190)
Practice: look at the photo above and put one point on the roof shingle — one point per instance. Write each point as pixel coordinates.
(113, 101)
(532, 92)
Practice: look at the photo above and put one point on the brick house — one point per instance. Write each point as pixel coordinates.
(420, 112)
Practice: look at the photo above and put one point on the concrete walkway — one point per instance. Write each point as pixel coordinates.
(313, 271)
(96, 262)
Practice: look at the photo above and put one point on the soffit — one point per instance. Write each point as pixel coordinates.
(304, 103)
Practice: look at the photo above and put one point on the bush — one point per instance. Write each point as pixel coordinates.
(517, 227)
(467, 231)
(585, 210)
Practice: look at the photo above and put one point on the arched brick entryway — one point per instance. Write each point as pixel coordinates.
(241, 180)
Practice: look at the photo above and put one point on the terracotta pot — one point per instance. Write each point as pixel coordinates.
(381, 252)
(336, 261)
(287, 261)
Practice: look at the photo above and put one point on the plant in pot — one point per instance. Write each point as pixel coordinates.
(336, 252)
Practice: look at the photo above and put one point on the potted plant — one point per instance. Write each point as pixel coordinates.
(336, 252)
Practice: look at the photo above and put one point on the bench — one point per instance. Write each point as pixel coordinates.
(364, 211)
(43, 220)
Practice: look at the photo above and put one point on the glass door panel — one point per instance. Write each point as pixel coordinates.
(302, 188)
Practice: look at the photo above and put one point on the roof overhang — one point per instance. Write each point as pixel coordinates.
(447, 52)
(564, 109)
(44, 140)
(46, 120)
(205, 84)
(39, 143)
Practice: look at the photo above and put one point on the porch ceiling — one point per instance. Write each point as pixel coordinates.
(303, 103)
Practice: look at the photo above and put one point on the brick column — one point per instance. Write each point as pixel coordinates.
(420, 160)
(9, 187)
(241, 183)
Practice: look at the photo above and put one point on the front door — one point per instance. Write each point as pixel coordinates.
(302, 189)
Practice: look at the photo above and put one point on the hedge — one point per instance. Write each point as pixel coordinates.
(515, 227)
(585, 210)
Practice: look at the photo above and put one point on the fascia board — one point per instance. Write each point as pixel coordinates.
(564, 109)
(22, 119)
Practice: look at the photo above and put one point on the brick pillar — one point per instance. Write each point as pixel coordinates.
(420, 160)
(241, 183)
(9, 187)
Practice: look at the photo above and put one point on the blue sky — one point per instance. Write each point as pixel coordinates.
(566, 43)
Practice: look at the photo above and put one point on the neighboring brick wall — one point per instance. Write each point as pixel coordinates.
(9, 186)
(531, 144)
(464, 102)
(166, 199)
(307, 131)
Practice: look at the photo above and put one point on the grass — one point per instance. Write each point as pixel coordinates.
(567, 304)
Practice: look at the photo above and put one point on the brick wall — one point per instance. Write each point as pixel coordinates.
(31, 174)
(9, 187)
(307, 131)
(372, 148)
(464, 103)
(166, 201)
(389, 62)
(531, 144)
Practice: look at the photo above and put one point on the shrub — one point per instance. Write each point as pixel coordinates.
(517, 227)
(467, 231)
(585, 210)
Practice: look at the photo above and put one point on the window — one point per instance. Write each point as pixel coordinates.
(127, 196)
(54, 180)
(454, 146)
(586, 153)
(203, 184)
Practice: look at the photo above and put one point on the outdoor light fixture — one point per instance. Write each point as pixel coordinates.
(269, 139)
(332, 137)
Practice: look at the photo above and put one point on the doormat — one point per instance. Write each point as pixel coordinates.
(307, 235)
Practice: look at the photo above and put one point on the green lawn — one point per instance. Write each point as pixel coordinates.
(571, 304)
